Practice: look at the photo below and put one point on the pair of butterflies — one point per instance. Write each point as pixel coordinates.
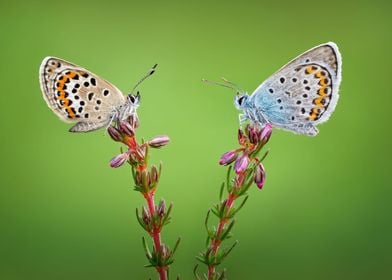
(298, 97)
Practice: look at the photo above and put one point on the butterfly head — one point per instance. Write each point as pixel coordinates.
(240, 100)
(134, 99)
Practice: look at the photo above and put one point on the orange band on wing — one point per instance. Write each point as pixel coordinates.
(64, 79)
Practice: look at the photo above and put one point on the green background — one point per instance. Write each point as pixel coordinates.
(325, 211)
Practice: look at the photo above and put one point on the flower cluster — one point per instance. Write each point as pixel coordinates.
(152, 218)
(251, 140)
(248, 169)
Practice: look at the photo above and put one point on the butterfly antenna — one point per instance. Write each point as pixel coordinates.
(220, 84)
(233, 84)
(149, 73)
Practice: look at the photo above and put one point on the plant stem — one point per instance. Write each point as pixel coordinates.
(216, 242)
(155, 234)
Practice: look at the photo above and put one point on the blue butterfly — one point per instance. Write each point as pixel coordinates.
(299, 96)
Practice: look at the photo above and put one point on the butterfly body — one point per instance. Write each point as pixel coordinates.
(78, 96)
(301, 95)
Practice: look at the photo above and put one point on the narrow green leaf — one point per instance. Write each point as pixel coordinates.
(195, 272)
(221, 191)
(228, 181)
(140, 220)
(227, 251)
(227, 230)
(206, 220)
(147, 251)
(265, 155)
(175, 246)
(235, 211)
(166, 218)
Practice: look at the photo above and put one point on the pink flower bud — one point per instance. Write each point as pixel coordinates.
(134, 121)
(154, 175)
(228, 157)
(241, 137)
(260, 175)
(159, 141)
(114, 134)
(165, 251)
(253, 134)
(266, 133)
(127, 129)
(161, 208)
(146, 216)
(241, 164)
(119, 160)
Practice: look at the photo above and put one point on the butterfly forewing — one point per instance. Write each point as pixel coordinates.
(77, 95)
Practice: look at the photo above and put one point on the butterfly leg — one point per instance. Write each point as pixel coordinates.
(242, 118)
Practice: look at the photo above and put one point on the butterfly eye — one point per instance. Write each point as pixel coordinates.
(134, 99)
(241, 100)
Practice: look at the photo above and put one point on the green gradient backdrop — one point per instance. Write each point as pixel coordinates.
(325, 212)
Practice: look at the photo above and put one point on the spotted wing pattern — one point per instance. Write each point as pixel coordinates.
(77, 95)
(302, 93)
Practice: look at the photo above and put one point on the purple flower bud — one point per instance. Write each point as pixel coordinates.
(241, 137)
(161, 208)
(253, 134)
(266, 133)
(241, 164)
(119, 160)
(154, 175)
(165, 251)
(260, 175)
(159, 141)
(146, 216)
(228, 157)
(134, 121)
(127, 129)
(114, 134)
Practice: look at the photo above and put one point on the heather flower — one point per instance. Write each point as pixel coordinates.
(127, 129)
(152, 218)
(161, 208)
(259, 178)
(134, 121)
(114, 134)
(119, 160)
(228, 157)
(248, 168)
(253, 135)
(146, 216)
(241, 137)
(266, 133)
(159, 141)
(241, 164)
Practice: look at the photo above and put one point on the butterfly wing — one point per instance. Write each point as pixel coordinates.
(304, 92)
(77, 95)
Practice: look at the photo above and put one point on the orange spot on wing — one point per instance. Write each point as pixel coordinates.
(319, 101)
(310, 69)
(323, 82)
(62, 97)
(322, 91)
(319, 74)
